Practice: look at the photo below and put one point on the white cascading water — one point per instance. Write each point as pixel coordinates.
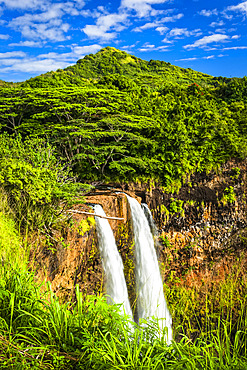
(153, 227)
(116, 288)
(150, 296)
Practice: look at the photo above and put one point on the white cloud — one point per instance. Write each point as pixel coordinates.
(172, 18)
(235, 37)
(47, 24)
(87, 49)
(29, 44)
(220, 30)
(35, 66)
(241, 7)
(42, 26)
(159, 24)
(24, 4)
(143, 8)
(4, 37)
(166, 40)
(183, 32)
(69, 6)
(146, 26)
(204, 41)
(151, 47)
(209, 57)
(217, 24)
(162, 30)
(235, 48)
(105, 23)
(185, 59)
(18, 61)
(79, 3)
(12, 54)
(8, 62)
(77, 52)
(180, 33)
(208, 13)
(95, 32)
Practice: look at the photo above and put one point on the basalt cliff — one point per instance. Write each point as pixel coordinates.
(202, 233)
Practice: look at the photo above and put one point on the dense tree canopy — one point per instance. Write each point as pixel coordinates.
(113, 116)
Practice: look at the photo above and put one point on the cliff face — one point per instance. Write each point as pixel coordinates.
(202, 227)
(71, 256)
(202, 233)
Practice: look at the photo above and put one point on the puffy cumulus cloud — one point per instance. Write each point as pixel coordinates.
(54, 12)
(158, 25)
(172, 18)
(180, 33)
(25, 4)
(47, 25)
(217, 24)
(87, 49)
(204, 41)
(114, 23)
(241, 7)
(77, 52)
(29, 44)
(12, 54)
(162, 29)
(34, 66)
(47, 22)
(146, 26)
(17, 61)
(208, 13)
(183, 32)
(4, 37)
(79, 3)
(143, 8)
(41, 4)
(151, 47)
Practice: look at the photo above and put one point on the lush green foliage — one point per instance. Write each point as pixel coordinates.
(33, 180)
(113, 116)
(38, 331)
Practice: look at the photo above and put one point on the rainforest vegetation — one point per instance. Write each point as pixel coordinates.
(112, 117)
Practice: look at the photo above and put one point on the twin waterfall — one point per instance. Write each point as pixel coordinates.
(149, 288)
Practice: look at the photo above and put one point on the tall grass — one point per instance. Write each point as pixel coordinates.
(37, 331)
(211, 307)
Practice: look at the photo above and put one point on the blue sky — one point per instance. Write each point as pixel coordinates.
(37, 36)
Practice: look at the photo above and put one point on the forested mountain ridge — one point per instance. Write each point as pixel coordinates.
(110, 61)
(113, 116)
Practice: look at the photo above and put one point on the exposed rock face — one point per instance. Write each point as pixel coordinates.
(202, 232)
(71, 256)
(202, 227)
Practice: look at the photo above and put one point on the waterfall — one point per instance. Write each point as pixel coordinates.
(116, 288)
(150, 296)
(152, 225)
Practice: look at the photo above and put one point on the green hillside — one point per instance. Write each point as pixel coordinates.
(110, 61)
(113, 116)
